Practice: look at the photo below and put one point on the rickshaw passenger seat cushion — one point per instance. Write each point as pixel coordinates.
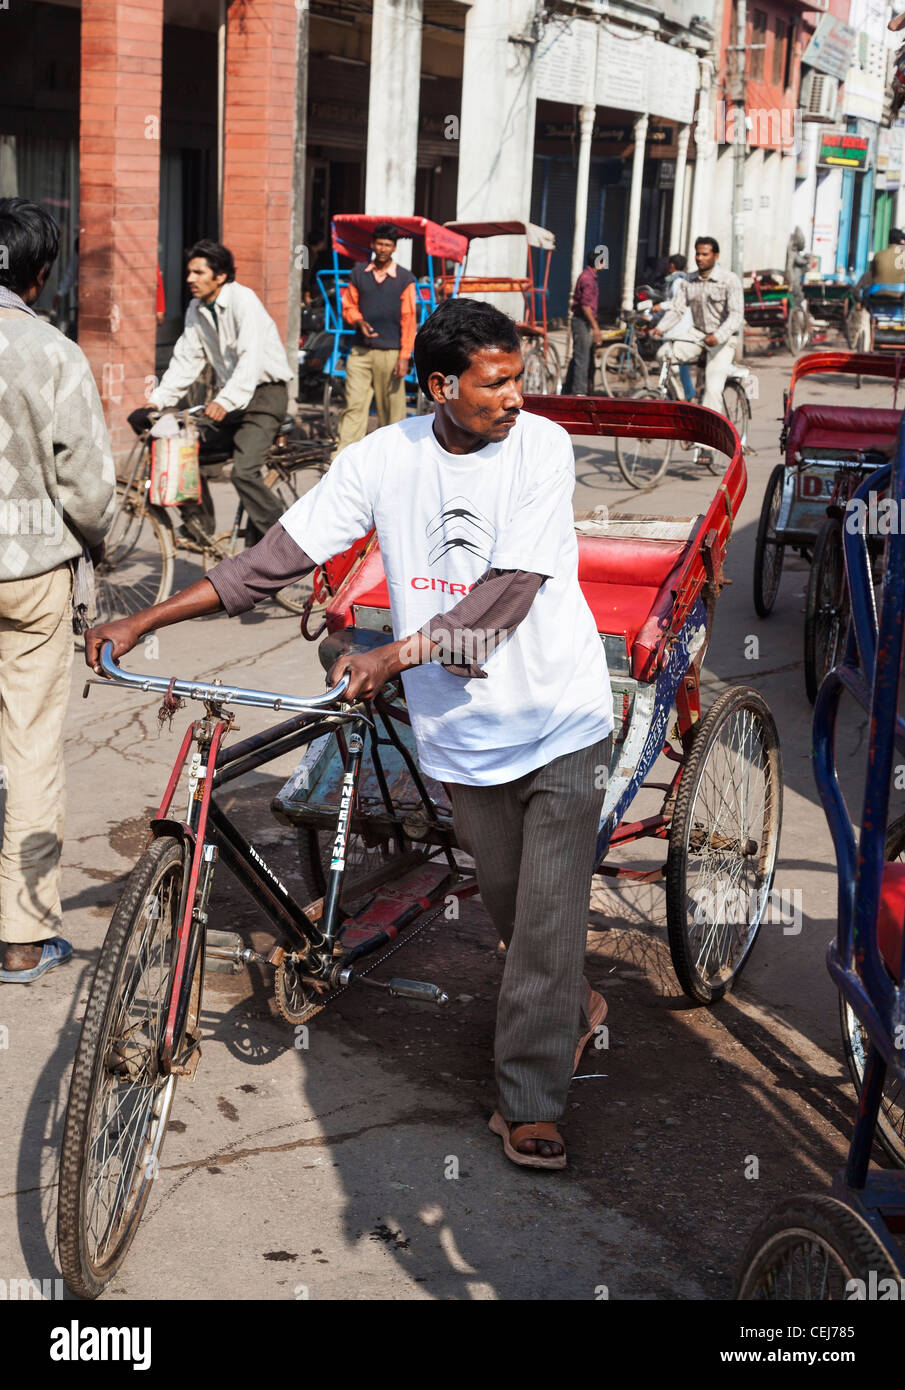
(891, 916)
(627, 584)
(841, 427)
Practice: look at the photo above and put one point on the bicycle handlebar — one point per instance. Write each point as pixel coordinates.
(236, 695)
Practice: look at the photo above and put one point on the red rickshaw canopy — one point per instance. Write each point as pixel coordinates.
(352, 233)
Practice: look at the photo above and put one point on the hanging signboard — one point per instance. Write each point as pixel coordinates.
(637, 73)
(831, 49)
(837, 149)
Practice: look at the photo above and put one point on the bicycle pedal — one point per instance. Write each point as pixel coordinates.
(222, 952)
(419, 990)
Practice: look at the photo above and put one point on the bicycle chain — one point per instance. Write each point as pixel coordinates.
(409, 936)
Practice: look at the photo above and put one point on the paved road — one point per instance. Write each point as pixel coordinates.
(326, 1172)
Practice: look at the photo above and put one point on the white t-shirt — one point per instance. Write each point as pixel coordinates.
(442, 520)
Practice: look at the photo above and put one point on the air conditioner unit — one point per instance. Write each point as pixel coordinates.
(819, 94)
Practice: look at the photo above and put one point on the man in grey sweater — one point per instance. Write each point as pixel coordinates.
(56, 495)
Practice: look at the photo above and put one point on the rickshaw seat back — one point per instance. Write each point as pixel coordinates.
(626, 580)
(891, 916)
(846, 427)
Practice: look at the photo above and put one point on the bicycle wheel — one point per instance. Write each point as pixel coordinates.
(536, 382)
(737, 410)
(334, 405)
(812, 1249)
(723, 843)
(623, 371)
(119, 1101)
(553, 368)
(768, 552)
(826, 612)
(137, 569)
(642, 462)
(797, 329)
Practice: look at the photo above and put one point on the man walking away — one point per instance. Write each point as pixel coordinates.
(797, 262)
(379, 303)
(717, 305)
(585, 331)
(227, 325)
(56, 495)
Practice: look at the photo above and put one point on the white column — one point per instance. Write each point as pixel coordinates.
(898, 132)
(678, 192)
(705, 161)
(395, 84)
(496, 134)
(586, 118)
(634, 214)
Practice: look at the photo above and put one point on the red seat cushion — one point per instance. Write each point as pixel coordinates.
(842, 427)
(891, 916)
(624, 581)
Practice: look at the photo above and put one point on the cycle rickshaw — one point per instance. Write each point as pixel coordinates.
(828, 450)
(885, 304)
(543, 369)
(350, 237)
(771, 310)
(375, 838)
(844, 1246)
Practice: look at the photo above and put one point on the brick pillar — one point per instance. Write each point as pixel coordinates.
(119, 177)
(258, 157)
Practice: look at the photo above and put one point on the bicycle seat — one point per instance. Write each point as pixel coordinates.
(350, 641)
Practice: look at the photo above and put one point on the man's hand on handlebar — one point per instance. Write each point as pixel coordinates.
(124, 633)
(368, 674)
(214, 412)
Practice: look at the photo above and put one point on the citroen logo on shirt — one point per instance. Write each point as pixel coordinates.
(459, 527)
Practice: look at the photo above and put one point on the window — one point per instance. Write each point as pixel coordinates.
(758, 39)
(780, 51)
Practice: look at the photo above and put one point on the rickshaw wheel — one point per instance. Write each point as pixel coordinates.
(812, 1249)
(797, 330)
(827, 607)
(723, 843)
(768, 558)
(891, 1119)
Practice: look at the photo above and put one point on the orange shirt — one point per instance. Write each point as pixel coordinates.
(353, 315)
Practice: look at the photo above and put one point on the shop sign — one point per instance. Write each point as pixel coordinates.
(832, 47)
(837, 149)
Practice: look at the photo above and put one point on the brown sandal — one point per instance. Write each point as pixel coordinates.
(542, 1129)
(597, 1008)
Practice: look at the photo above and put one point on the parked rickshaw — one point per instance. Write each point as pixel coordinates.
(543, 369)
(770, 310)
(828, 450)
(351, 235)
(885, 304)
(834, 302)
(376, 842)
(845, 1246)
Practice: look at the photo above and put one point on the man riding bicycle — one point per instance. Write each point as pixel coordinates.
(227, 326)
(717, 305)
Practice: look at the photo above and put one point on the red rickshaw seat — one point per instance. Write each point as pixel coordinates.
(626, 582)
(891, 916)
(849, 427)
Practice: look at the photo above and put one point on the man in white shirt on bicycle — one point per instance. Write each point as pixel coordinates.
(227, 326)
(716, 301)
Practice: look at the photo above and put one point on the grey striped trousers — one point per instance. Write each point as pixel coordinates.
(533, 842)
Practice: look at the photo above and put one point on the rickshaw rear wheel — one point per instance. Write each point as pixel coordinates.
(812, 1249)
(768, 554)
(797, 329)
(723, 843)
(827, 607)
(891, 1118)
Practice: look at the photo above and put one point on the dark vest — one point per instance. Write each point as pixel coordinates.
(380, 305)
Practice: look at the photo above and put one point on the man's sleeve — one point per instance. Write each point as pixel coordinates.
(540, 527)
(83, 460)
(257, 573)
(467, 633)
(185, 367)
(677, 305)
(352, 315)
(339, 509)
(407, 321)
(733, 322)
(235, 393)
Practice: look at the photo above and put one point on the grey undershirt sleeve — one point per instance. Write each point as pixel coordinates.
(475, 627)
(257, 573)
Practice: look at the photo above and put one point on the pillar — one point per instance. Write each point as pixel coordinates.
(586, 117)
(119, 178)
(634, 214)
(393, 102)
(705, 164)
(496, 134)
(259, 130)
(678, 192)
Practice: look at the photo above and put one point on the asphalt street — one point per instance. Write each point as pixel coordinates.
(324, 1171)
